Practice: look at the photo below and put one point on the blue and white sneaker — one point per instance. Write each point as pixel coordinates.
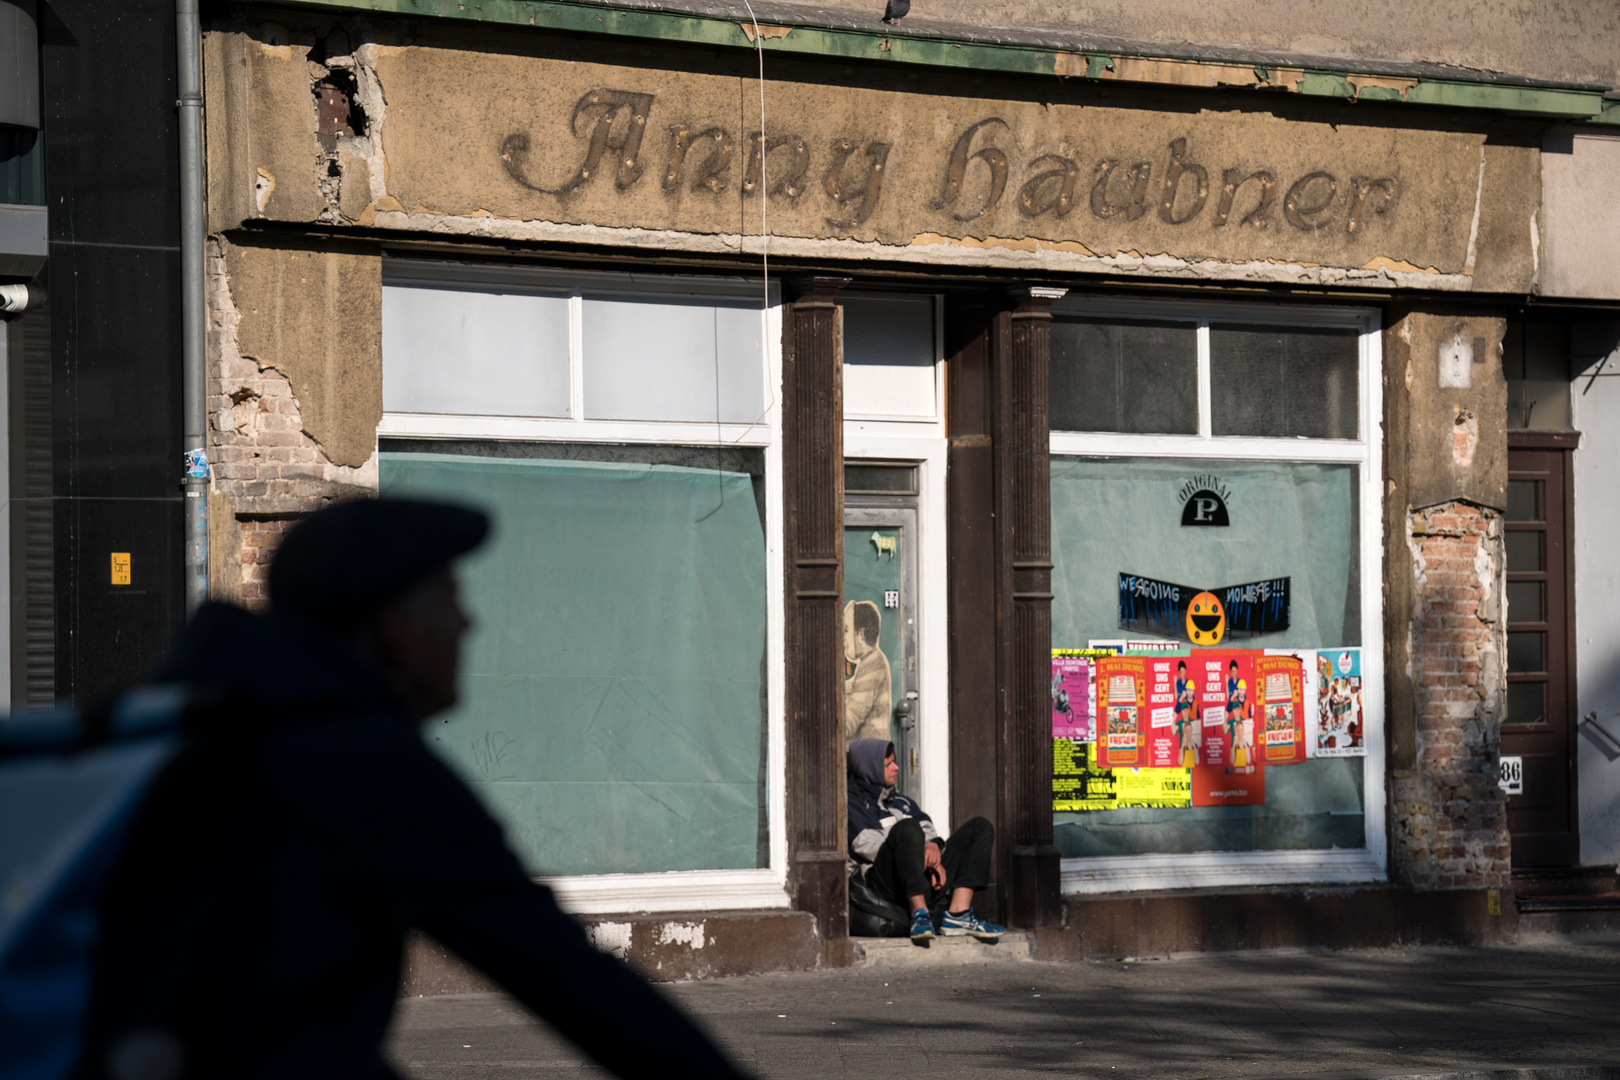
(969, 924)
(922, 925)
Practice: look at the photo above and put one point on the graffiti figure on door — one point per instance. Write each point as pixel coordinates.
(867, 679)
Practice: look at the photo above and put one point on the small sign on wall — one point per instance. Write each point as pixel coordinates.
(120, 568)
(1510, 777)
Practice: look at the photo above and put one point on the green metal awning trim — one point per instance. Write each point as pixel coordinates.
(892, 47)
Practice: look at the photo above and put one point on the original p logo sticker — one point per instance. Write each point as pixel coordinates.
(1206, 620)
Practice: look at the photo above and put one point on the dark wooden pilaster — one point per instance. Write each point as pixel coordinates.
(970, 487)
(1022, 453)
(812, 433)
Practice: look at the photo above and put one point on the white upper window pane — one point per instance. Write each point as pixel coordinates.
(889, 356)
(663, 358)
(449, 350)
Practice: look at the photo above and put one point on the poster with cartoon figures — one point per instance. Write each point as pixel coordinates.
(1163, 740)
(1121, 703)
(1338, 714)
(1225, 682)
(1280, 681)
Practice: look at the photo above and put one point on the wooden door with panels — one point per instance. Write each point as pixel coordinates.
(1538, 729)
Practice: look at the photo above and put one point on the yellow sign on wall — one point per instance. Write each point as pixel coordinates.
(120, 568)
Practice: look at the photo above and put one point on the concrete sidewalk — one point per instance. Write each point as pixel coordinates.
(1549, 1011)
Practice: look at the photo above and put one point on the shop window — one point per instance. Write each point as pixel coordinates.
(1218, 450)
(613, 709)
(620, 678)
(1128, 376)
(671, 358)
(1122, 375)
(891, 348)
(1290, 520)
(1287, 381)
(474, 352)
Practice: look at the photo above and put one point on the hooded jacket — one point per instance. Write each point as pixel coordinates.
(874, 806)
(260, 913)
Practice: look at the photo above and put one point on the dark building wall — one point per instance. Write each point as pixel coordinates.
(111, 182)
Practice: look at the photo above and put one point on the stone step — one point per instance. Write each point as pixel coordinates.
(1564, 881)
(1013, 947)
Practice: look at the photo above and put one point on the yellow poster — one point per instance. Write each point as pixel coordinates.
(1079, 783)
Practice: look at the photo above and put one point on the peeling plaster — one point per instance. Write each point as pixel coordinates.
(1464, 438)
(1049, 257)
(1384, 262)
(1473, 228)
(610, 937)
(688, 934)
(766, 31)
(264, 185)
(1399, 86)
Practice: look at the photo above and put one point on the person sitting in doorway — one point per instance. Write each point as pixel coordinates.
(902, 856)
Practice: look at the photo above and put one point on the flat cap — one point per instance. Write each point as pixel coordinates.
(342, 565)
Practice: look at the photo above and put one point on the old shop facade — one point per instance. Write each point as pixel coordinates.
(1003, 326)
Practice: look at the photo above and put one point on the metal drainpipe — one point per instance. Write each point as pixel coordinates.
(193, 313)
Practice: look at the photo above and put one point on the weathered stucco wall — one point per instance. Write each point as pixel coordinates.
(1572, 41)
(1446, 448)
(251, 149)
(530, 147)
(1581, 180)
(295, 396)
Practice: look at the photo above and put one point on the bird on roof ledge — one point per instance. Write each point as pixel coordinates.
(895, 11)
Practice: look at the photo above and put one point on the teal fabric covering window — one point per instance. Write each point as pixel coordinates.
(1288, 519)
(613, 709)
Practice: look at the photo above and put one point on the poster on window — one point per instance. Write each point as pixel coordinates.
(1078, 782)
(1121, 711)
(1280, 683)
(1337, 718)
(1160, 789)
(1074, 693)
(1163, 738)
(1203, 616)
(1215, 785)
(1225, 707)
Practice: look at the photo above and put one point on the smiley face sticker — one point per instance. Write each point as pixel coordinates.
(1206, 620)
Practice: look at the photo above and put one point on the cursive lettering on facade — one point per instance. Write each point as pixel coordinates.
(975, 177)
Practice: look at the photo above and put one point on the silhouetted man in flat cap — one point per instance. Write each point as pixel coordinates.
(256, 927)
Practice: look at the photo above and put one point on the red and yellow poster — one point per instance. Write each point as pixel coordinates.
(1224, 683)
(1121, 705)
(1280, 681)
(1163, 735)
(1215, 785)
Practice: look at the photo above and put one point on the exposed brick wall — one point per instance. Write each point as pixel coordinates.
(260, 538)
(267, 470)
(1449, 826)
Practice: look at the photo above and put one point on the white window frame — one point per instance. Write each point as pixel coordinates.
(1134, 873)
(676, 890)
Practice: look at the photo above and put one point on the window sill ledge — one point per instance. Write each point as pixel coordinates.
(1154, 873)
(684, 890)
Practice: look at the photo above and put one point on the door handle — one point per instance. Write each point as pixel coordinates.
(1591, 721)
(904, 710)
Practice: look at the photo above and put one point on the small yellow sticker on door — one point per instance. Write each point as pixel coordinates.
(120, 568)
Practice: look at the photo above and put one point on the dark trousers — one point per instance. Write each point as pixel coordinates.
(897, 872)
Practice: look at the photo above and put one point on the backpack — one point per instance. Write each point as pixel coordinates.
(72, 785)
